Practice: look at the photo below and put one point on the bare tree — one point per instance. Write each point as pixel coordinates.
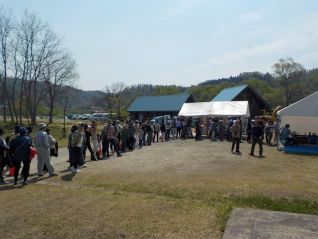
(37, 45)
(6, 27)
(113, 97)
(289, 73)
(58, 72)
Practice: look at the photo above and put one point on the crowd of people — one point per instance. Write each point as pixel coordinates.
(17, 149)
(119, 137)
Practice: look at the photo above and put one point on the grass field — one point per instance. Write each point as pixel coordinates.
(176, 189)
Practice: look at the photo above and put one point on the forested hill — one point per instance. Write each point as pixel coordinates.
(241, 77)
(264, 83)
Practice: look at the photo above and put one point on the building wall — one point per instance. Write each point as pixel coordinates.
(256, 105)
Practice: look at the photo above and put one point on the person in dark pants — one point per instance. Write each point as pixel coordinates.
(131, 135)
(198, 134)
(87, 143)
(20, 149)
(249, 131)
(3, 156)
(257, 133)
(236, 136)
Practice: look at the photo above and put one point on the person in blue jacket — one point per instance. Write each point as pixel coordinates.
(20, 150)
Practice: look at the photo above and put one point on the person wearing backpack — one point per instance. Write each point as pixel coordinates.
(20, 149)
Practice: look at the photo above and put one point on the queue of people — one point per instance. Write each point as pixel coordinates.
(119, 137)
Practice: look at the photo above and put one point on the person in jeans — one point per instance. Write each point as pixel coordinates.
(20, 149)
(236, 136)
(41, 141)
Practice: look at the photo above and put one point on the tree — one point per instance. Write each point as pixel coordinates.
(57, 72)
(6, 27)
(289, 73)
(114, 97)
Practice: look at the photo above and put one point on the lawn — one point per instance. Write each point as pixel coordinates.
(176, 189)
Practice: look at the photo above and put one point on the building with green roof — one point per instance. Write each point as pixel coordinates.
(151, 106)
(244, 93)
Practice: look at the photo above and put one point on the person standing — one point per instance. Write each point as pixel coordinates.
(198, 132)
(220, 129)
(3, 156)
(77, 139)
(110, 139)
(249, 131)
(173, 128)
(41, 141)
(168, 125)
(87, 143)
(156, 129)
(20, 149)
(94, 139)
(179, 126)
(131, 135)
(257, 137)
(236, 136)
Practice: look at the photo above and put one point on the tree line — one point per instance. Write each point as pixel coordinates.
(288, 82)
(34, 66)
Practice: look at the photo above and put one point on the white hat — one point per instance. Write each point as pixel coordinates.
(42, 125)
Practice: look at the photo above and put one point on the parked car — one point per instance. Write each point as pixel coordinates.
(85, 117)
(100, 116)
(161, 119)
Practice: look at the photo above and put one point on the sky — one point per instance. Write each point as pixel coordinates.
(177, 42)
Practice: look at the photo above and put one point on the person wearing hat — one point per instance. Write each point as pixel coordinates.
(3, 156)
(41, 141)
(20, 149)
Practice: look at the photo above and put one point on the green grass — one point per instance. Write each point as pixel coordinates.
(222, 204)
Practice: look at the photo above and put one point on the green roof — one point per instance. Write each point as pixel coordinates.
(229, 94)
(163, 103)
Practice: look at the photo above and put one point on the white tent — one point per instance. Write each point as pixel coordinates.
(215, 108)
(302, 116)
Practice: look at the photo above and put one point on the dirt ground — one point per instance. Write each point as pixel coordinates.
(168, 190)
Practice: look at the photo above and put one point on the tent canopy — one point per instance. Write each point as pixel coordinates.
(215, 108)
(304, 107)
(302, 116)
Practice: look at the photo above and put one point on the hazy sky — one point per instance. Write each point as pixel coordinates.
(180, 42)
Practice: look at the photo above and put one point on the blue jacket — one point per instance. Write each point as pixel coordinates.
(20, 147)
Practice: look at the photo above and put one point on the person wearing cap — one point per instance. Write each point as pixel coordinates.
(41, 141)
(3, 156)
(20, 149)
